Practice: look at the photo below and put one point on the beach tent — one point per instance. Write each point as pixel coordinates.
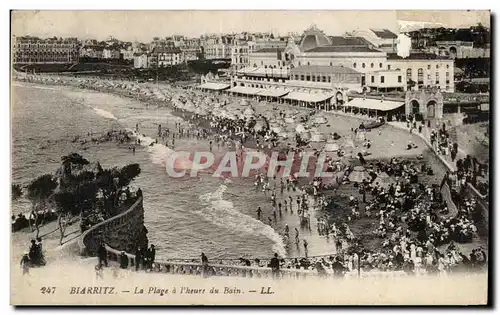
(305, 136)
(249, 113)
(320, 119)
(359, 174)
(300, 128)
(383, 180)
(331, 147)
(318, 137)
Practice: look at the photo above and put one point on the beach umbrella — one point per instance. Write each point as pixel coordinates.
(244, 102)
(383, 180)
(359, 174)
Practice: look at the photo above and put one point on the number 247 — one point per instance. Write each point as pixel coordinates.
(48, 290)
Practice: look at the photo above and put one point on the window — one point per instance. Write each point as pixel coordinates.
(297, 77)
(428, 67)
(353, 65)
(437, 77)
(447, 66)
(329, 79)
(319, 78)
(428, 77)
(330, 63)
(301, 77)
(308, 78)
(323, 79)
(300, 63)
(437, 66)
(371, 65)
(388, 67)
(447, 75)
(265, 67)
(308, 63)
(314, 78)
(380, 65)
(420, 75)
(399, 79)
(373, 79)
(363, 65)
(408, 74)
(382, 79)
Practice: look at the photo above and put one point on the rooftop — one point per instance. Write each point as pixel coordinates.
(269, 50)
(168, 50)
(347, 41)
(384, 33)
(417, 56)
(326, 69)
(343, 49)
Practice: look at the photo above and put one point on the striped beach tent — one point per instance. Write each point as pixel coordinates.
(359, 174)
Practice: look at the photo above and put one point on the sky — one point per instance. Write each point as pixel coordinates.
(144, 25)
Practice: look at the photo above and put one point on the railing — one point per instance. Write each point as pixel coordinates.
(171, 267)
(88, 245)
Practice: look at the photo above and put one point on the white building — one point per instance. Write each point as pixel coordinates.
(127, 54)
(382, 39)
(240, 55)
(426, 70)
(168, 56)
(110, 53)
(141, 61)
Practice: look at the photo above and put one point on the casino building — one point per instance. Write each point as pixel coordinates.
(324, 71)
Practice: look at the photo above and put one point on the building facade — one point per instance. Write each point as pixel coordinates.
(28, 49)
(93, 52)
(425, 70)
(168, 56)
(459, 49)
(111, 53)
(141, 61)
(382, 39)
(343, 63)
(240, 55)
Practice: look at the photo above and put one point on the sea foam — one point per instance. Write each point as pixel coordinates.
(222, 213)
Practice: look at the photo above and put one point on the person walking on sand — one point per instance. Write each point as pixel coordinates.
(259, 211)
(25, 261)
(305, 247)
(296, 236)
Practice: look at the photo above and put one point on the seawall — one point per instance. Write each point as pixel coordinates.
(123, 232)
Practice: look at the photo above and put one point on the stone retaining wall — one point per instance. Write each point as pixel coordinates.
(124, 232)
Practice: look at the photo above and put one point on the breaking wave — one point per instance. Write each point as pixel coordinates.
(222, 213)
(104, 113)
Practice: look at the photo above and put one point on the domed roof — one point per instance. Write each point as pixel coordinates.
(312, 38)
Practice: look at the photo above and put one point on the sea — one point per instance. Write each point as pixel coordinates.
(184, 216)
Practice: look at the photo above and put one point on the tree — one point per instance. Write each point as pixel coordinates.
(17, 191)
(72, 202)
(112, 181)
(39, 192)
